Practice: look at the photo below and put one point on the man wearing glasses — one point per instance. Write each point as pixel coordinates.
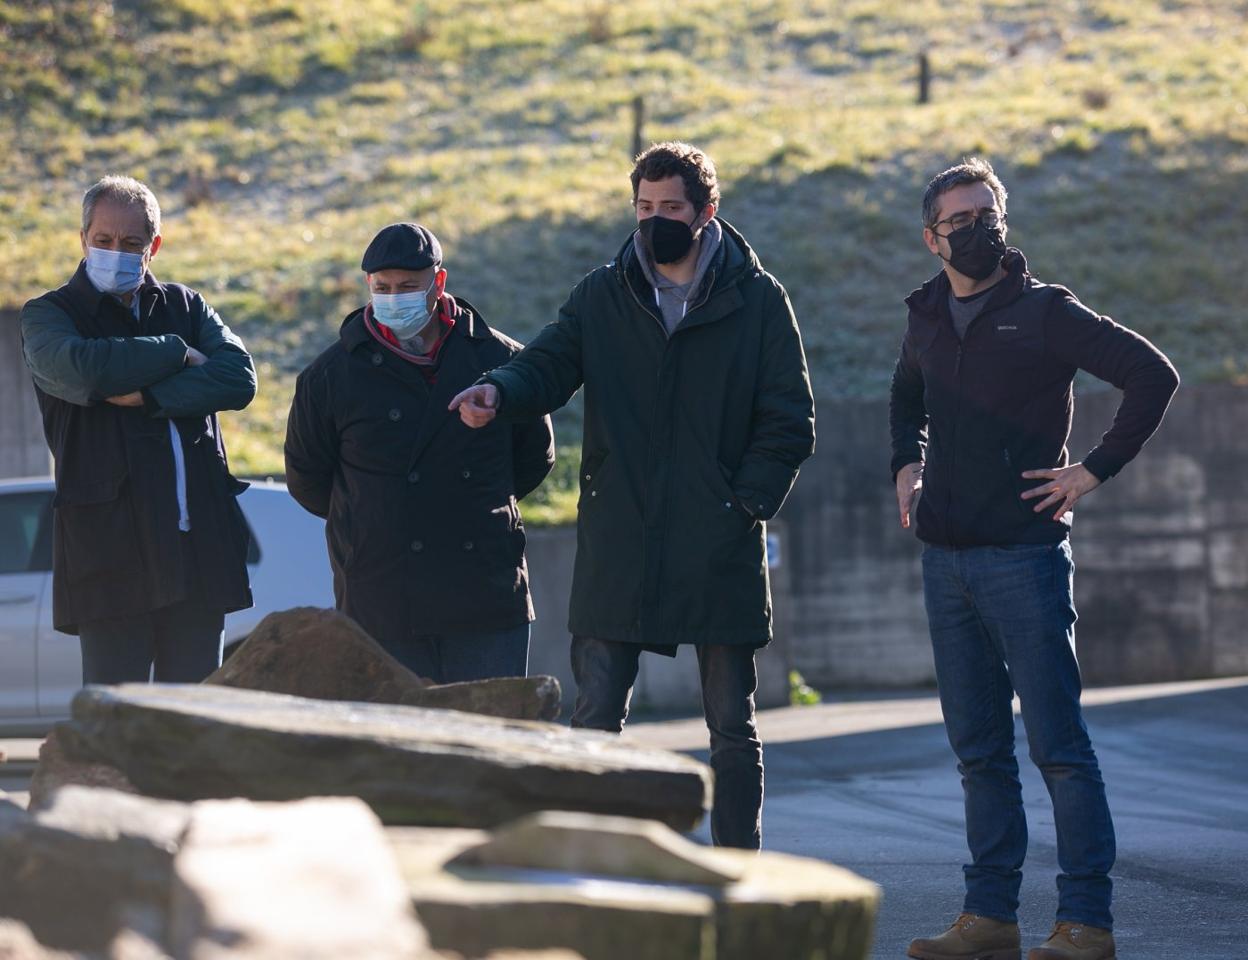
(980, 413)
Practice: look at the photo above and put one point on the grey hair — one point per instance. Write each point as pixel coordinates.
(125, 191)
(971, 170)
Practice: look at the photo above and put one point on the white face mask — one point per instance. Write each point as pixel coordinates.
(114, 271)
(406, 314)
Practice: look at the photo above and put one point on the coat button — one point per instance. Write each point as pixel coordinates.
(593, 493)
(396, 414)
(468, 544)
(727, 504)
(376, 359)
(417, 546)
(414, 477)
(588, 477)
(466, 473)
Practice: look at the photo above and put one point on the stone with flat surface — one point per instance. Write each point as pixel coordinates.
(313, 879)
(325, 655)
(615, 889)
(412, 765)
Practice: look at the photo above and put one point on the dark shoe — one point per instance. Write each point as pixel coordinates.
(971, 937)
(1075, 941)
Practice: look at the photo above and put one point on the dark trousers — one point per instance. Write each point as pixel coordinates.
(605, 671)
(181, 642)
(1002, 620)
(457, 657)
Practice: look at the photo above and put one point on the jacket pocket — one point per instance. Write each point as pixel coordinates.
(98, 531)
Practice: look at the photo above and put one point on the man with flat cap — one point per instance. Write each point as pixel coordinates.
(424, 533)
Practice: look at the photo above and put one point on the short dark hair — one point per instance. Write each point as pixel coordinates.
(676, 159)
(970, 170)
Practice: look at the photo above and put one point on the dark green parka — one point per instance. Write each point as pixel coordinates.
(691, 442)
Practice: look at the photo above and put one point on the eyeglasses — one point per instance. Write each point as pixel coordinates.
(960, 221)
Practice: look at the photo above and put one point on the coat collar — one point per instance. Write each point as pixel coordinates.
(735, 261)
(468, 324)
(931, 299)
(87, 300)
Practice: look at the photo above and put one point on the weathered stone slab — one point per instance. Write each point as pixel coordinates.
(324, 655)
(96, 862)
(516, 698)
(412, 765)
(57, 768)
(313, 879)
(478, 893)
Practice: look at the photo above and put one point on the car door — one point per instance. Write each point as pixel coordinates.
(25, 576)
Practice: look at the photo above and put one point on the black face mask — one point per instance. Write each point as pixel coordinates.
(667, 240)
(975, 251)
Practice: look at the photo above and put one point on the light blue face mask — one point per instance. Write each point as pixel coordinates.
(114, 271)
(406, 314)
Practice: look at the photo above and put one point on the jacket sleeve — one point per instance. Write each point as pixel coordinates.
(1080, 337)
(907, 414)
(782, 429)
(311, 444)
(543, 376)
(533, 454)
(226, 382)
(88, 370)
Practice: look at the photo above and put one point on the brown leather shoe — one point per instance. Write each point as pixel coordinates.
(971, 937)
(1075, 941)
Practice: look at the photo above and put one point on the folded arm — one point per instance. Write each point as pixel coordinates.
(226, 380)
(88, 370)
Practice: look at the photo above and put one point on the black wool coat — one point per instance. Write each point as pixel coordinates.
(691, 442)
(117, 550)
(425, 537)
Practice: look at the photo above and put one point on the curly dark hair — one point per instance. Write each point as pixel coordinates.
(676, 159)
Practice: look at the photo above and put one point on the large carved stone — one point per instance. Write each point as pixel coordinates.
(313, 879)
(322, 654)
(621, 889)
(412, 765)
(96, 862)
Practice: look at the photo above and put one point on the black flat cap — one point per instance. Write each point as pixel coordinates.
(402, 246)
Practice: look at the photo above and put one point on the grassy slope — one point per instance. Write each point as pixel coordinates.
(280, 135)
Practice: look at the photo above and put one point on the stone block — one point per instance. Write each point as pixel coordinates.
(324, 655)
(412, 765)
(621, 889)
(312, 879)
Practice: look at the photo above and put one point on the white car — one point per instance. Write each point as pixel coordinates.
(41, 670)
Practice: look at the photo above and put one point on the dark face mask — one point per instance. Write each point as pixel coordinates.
(975, 251)
(667, 240)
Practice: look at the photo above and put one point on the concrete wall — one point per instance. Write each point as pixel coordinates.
(1161, 551)
(23, 452)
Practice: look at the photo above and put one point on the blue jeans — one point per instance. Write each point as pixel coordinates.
(457, 657)
(1002, 620)
(605, 671)
(175, 644)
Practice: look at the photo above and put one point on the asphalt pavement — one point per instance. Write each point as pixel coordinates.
(868, 782)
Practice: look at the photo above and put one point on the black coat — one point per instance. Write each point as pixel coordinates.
(424, 534)
(117, 550)
(691, 442)
(979, 411)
